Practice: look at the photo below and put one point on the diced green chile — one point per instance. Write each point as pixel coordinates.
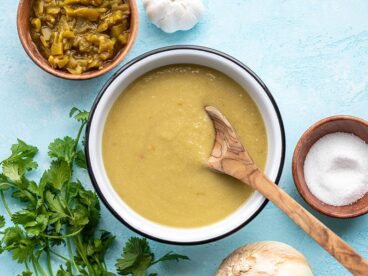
(80, 35)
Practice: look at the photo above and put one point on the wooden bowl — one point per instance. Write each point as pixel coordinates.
(23, 25)
(333, 124)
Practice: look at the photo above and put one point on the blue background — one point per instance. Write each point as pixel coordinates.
(313, 56)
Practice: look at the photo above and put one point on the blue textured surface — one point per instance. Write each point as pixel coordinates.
(313, 56)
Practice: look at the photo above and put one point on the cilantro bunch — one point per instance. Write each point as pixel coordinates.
(59, 211)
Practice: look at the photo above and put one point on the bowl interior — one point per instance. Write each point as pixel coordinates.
(143, 65)
(23, 25)
(329, 125)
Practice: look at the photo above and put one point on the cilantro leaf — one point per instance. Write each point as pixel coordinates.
(23, 250)
(136, 258)
(67, 272)
(2, 221)
(16, 169)
(93, 250)
(74, 188)
(23, 216)
(58, 173)
(80, 216)
(73, 111)
(33, 222)
(171, 257)
(12, 235)
(80, 116)
(26, 191)
(13, 240)
(20, 161)
(62, 149)
(25, 196)
(80, 159)
(55, 203)
(12, 171)
(57, 208)
(21, 150)
(87, 208)
(96, 248)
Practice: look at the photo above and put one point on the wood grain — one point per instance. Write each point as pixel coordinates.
(230, 157)
(23, 26)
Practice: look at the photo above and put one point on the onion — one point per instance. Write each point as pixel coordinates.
(265, 258)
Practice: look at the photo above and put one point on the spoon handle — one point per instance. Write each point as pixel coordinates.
(230, 157)
(332, 243)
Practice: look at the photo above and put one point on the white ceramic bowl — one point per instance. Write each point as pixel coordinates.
(179, 55)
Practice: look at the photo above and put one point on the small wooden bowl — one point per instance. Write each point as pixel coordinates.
(23, 25)
(332, 124)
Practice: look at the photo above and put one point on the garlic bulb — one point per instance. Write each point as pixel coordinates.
(174, 15)
(265, 258)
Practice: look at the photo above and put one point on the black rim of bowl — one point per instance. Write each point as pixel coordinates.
(172, 48)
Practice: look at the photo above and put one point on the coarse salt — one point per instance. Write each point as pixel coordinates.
(336, 169)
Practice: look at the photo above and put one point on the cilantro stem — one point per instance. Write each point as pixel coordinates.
(76, 143)
(49, 267)
(71, 255)
(73, 157)
(78, 137)
(34, 266)
(8, 184)
(58, 255)
(79, 245)
(5, 204)
(26, 265)
(68, 236)
(62, 237)
(39, 267)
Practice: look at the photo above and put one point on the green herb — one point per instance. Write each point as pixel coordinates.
(2, 221)
(137, 258)
(59, 211)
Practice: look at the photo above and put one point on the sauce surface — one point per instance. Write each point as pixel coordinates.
(158, 137)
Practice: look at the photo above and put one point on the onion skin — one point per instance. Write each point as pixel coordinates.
(267, 258)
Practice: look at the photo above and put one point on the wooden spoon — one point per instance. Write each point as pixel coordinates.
(230, 157)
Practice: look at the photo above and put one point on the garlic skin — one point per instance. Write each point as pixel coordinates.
(265, 258)
(174, 15)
